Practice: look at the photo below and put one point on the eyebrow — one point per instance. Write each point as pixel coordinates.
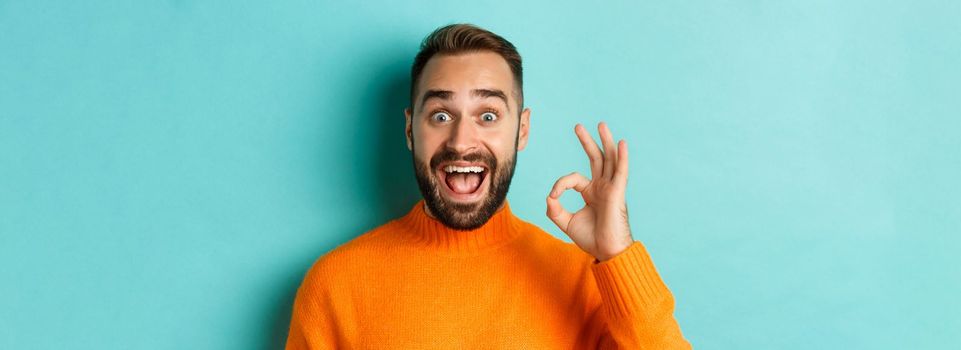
(447, 95)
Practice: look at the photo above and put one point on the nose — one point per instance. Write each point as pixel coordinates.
(464, 136)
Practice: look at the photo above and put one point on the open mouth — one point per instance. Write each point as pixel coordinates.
(463, 181)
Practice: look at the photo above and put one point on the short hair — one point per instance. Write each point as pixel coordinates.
(459, 38)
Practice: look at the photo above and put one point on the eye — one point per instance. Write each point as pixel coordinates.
(488, 116)
(441, 117)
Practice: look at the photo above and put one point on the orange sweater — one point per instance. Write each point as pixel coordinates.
(413, 283)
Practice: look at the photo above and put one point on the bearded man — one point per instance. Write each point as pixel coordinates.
(459, 270)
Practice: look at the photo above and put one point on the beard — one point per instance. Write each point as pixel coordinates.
(464, 216)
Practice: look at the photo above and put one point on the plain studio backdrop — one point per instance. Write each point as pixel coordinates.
(170, 170)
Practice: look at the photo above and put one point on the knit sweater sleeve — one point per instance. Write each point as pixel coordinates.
(311, 325)
(638, 308)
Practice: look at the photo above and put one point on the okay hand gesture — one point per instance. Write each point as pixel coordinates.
(601, 227)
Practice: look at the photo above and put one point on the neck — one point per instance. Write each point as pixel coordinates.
(428, 232)
(431, 215)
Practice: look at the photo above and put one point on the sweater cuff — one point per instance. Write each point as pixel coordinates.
(629, 283)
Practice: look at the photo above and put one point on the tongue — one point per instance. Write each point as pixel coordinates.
(463, 182)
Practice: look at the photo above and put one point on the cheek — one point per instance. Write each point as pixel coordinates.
(501, 145)
(426, 144)
(500, 141)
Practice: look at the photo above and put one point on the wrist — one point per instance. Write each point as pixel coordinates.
(609, 254)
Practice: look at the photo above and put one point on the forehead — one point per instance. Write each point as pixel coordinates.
(464, 72)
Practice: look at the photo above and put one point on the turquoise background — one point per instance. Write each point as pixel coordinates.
(169, 170)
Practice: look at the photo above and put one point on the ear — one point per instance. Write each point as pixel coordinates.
(525, 128)
(408, 129)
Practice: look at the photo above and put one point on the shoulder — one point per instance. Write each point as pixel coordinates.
(565, 265)
(540, 242)
(352, 257)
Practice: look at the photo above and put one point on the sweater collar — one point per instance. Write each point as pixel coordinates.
(430, 233)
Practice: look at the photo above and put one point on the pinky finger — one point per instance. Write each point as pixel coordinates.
(620, 172)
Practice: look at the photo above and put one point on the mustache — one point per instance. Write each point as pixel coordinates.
(449, 155)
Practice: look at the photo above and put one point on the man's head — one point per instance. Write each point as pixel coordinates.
(465, 123)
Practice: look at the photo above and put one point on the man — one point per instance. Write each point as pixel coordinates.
(460, 270)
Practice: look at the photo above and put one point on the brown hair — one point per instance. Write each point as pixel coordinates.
(459, 38)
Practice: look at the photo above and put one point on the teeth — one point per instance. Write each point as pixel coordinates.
(463, 169)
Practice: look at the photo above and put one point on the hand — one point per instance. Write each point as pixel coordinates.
(600, 228)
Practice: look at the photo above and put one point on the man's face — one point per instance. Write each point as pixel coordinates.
(464, 135)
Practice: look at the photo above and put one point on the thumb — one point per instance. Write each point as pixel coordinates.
(555, 211)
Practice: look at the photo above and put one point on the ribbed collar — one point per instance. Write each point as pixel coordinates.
(429, 233)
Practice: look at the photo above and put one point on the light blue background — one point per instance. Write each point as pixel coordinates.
(169, 170)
